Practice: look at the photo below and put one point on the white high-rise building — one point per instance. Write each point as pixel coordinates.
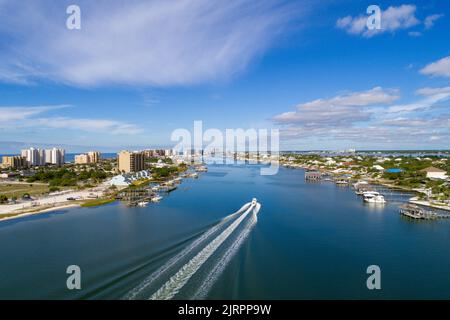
(55, 156)
(40, 157)
(35, 157)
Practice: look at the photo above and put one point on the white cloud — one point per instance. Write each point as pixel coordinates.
(25, 117)
(438, 68)
(427, 91)
(392, 19)
(430, 20)
(368, 117)
(425, 103)
(376, 95)
(89, 125)
(342, 110)
(159, 43)
(9, 114)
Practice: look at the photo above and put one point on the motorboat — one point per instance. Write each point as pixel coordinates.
(373, 197)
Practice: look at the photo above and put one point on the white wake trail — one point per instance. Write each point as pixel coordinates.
(226, 258)
(176, 282)
(174, 260)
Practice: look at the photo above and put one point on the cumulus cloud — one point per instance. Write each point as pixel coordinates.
(340, 110)
(368, 116)
(439, 68)
(158, 43)
(392, 19)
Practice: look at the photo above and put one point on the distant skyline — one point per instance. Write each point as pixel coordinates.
(137, 71)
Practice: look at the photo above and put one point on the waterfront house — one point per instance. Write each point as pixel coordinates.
(313, 175)
(123, 180)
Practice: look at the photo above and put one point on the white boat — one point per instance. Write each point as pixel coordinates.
(142, 203)
(373, 197)
(156, 198)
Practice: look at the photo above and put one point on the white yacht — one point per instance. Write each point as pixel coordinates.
(373, 197)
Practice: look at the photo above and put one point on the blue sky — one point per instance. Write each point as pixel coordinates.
(136, 72)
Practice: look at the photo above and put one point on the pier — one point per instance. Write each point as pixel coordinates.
(135, 195)
(416, 212)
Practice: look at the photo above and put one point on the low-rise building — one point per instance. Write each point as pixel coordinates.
(435, 173)
(123, 180)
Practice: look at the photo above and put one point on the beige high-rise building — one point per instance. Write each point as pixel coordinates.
(94, 156)
(90, 157)
(130, 161)
(14, 162)
(81, 159)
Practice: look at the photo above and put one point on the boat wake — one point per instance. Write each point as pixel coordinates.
(177, 281)
(138, 291)
(225, 259)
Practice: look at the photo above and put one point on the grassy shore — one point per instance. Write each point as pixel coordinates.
(97, 202)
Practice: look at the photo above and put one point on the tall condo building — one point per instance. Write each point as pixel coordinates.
(90, 157)
(14, 162)
(40, 157)
(130, 161)
(35, 157)
(55, 156)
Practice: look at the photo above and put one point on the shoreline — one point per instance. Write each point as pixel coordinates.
(412, 200)
(39, 211)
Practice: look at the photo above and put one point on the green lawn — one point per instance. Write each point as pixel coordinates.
(18, 190)
(97, 202)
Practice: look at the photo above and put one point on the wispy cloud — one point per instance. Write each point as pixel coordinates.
(429, 100)
(26, 117)
(438, 68)
(89, 125)
(159, 43)
(430, 20)
(8, 114)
